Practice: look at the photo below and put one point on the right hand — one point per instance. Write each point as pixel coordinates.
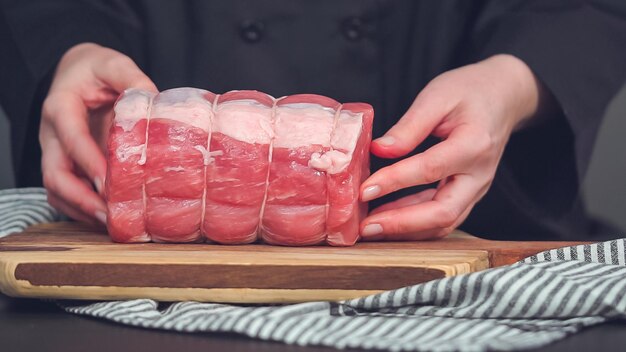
(74, 124)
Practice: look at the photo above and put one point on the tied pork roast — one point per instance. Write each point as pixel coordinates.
(187, 165)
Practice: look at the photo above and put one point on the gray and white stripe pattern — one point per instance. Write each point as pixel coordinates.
(22, 207)
(529, 304)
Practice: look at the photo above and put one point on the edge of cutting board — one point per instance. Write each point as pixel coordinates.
(76, 261)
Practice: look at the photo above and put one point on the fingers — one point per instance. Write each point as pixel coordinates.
(70, 193)
(426, 112)
(67, 116)
(66, 209)
(413, 199)
(87, 80)
(431, 234)
(434, 218)
(120, 73)
(454, 155)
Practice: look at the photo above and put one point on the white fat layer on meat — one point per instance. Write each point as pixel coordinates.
(143, 158)
(131, 108)
(332, 162)
(124, 152)
(207, 156)
(244, 120)
(343, 142)
(309, 106)
(175, 169)
(347, 131)
(185, 105)
(243, 101)
(301, 125)
(284, 195)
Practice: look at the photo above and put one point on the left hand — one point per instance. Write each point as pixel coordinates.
(473, 109)
(75, 119)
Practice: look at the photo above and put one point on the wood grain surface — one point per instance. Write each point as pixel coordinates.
(76, 261)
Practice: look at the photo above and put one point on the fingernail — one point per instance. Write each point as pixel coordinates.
(102, 216)
(372, 230)
(386, 141)
(370, 192)
(98, 183)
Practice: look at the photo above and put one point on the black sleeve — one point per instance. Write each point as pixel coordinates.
(577, 48)
(34, 35)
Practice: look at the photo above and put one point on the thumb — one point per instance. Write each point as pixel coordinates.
(426, 112)
(120, 72)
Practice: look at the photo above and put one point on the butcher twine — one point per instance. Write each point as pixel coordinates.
(529, 304)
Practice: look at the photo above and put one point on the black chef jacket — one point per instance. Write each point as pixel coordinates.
(380, 52)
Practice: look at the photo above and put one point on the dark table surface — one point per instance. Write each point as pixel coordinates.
(33, 325)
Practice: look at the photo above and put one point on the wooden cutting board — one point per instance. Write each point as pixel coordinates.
(75, 261)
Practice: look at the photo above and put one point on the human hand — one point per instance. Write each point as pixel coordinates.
(75, 116)
(474, 110)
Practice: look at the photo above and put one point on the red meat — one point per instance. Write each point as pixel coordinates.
(188, 165)
(237, 175)
(178, 134)
(125, 172)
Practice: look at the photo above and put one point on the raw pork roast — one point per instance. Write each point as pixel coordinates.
(187, 165)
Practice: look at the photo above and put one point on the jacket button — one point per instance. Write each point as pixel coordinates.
(251, 31)
(352, 28)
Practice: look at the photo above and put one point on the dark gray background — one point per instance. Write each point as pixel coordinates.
(604, 186)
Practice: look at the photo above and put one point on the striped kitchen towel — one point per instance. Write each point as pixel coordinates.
(22, 207)
(529, 304)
